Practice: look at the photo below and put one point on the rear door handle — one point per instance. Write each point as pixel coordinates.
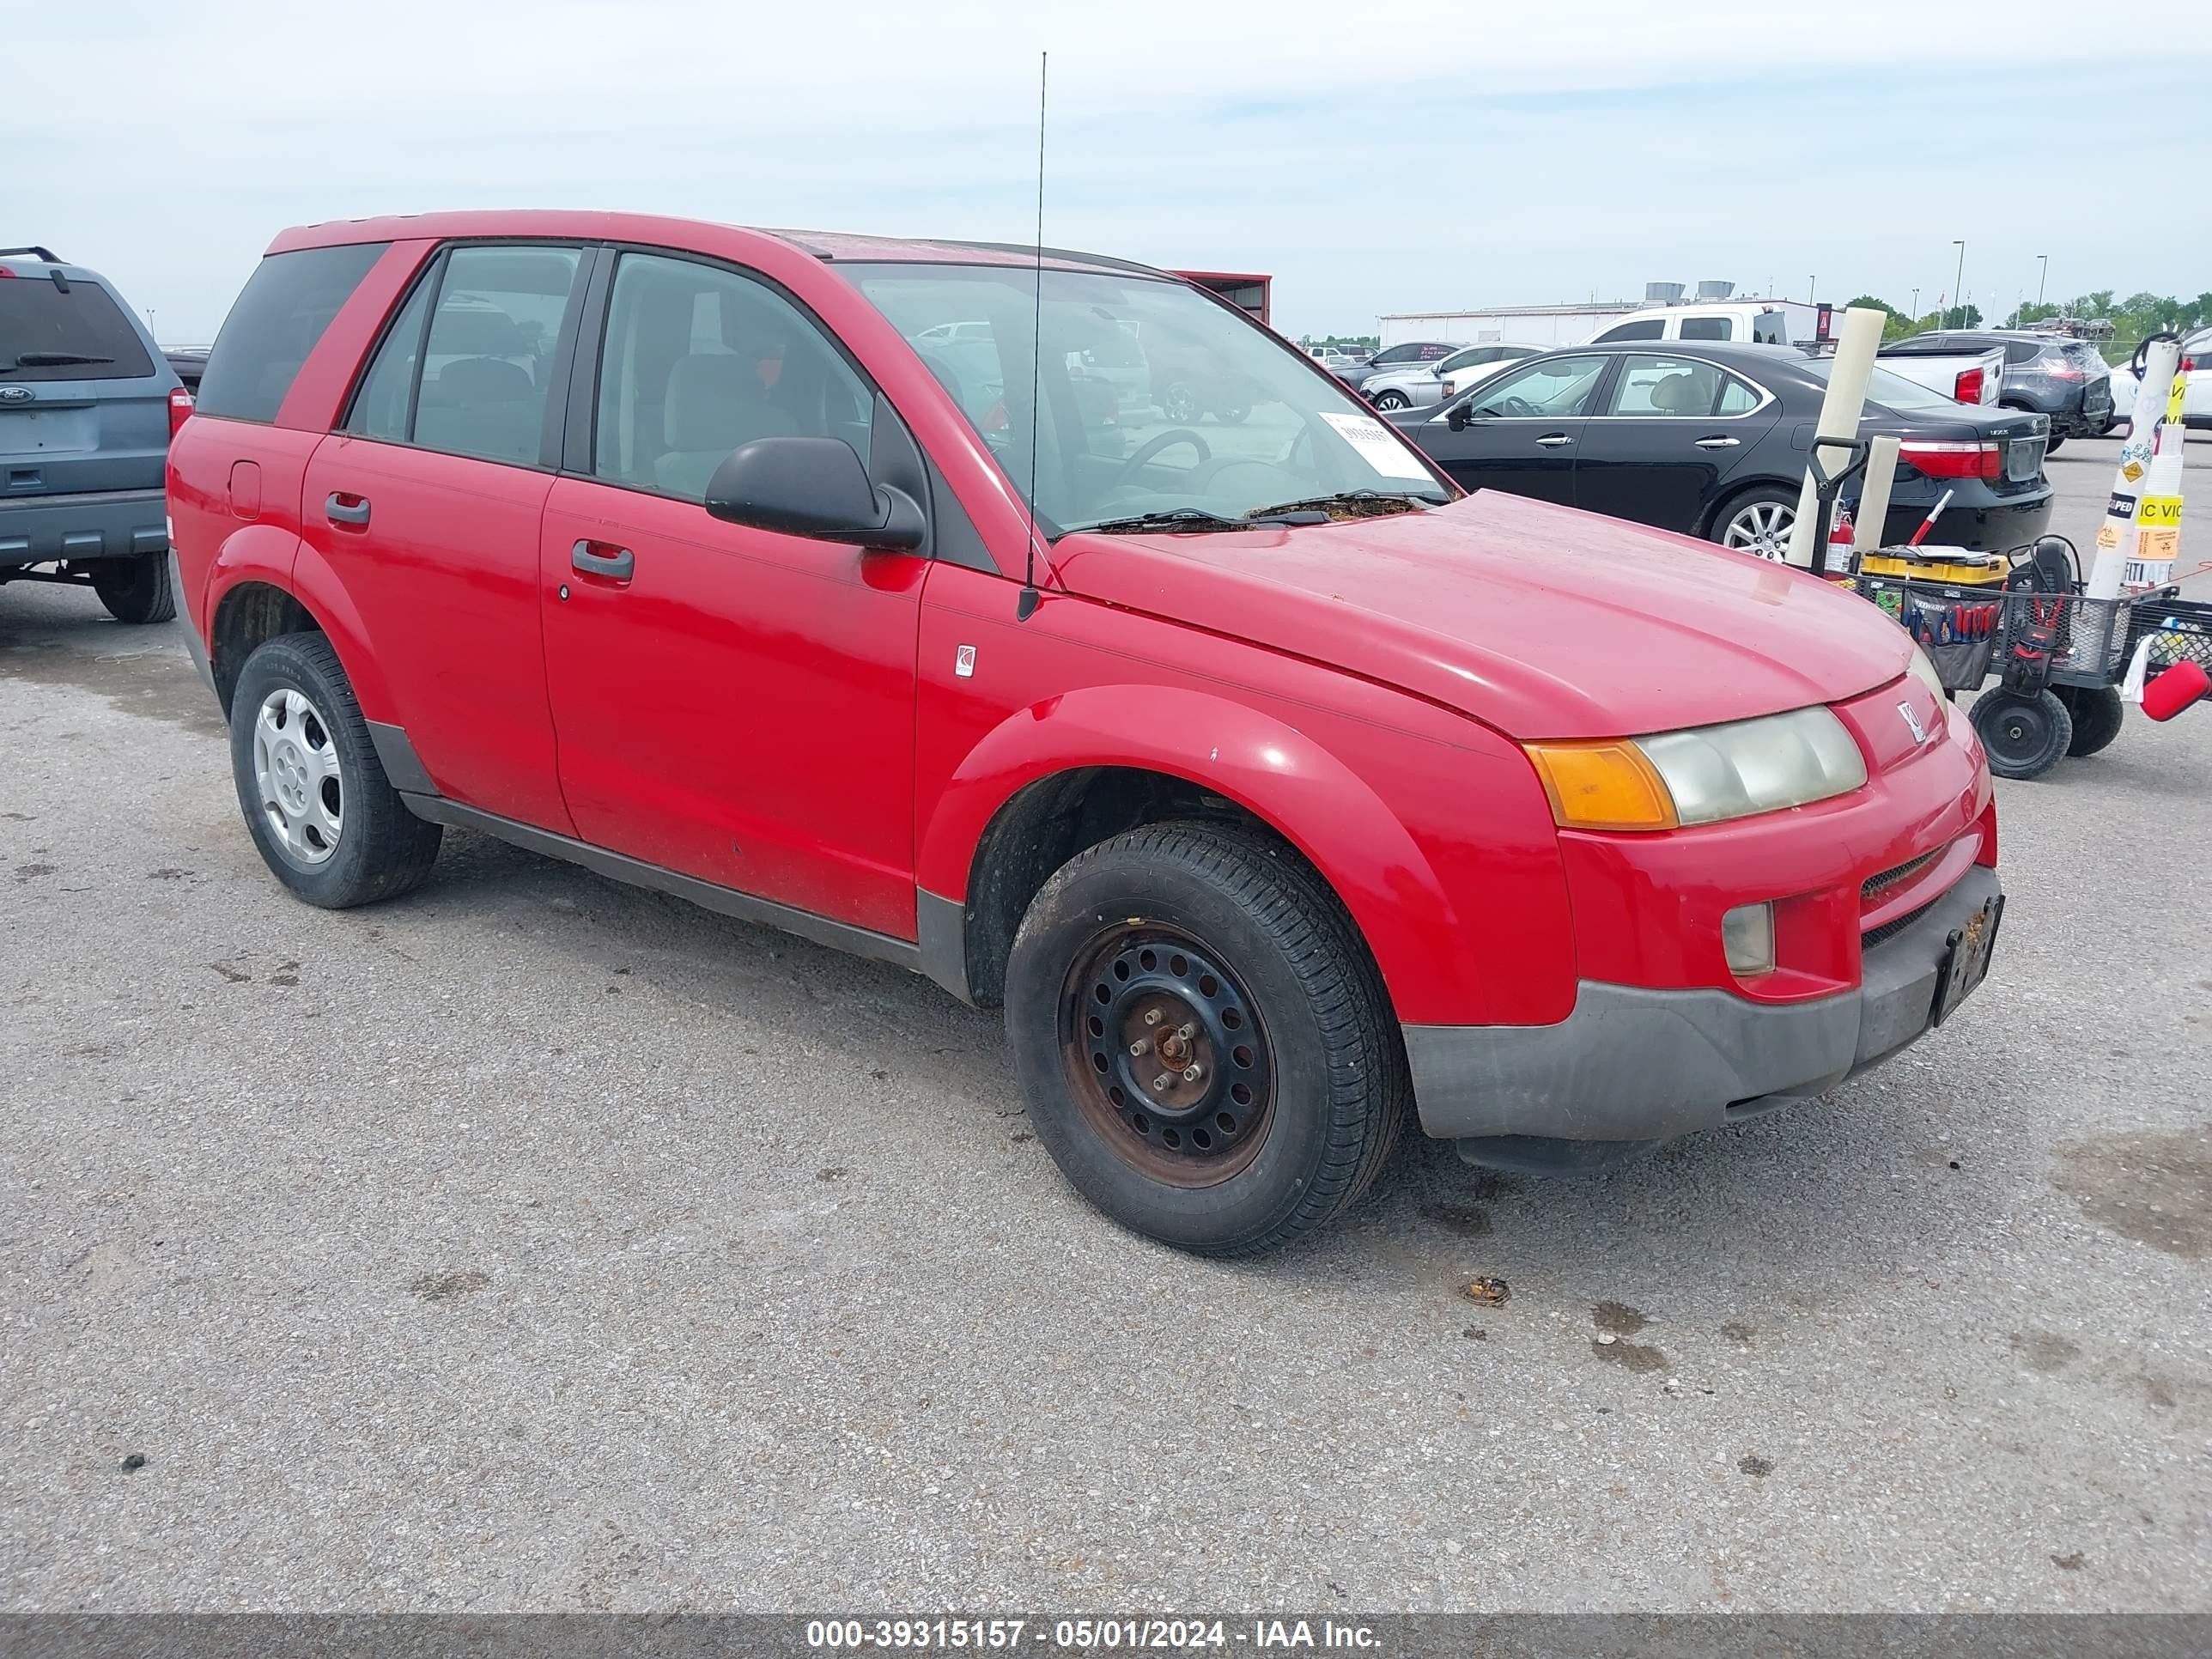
(341, 508)
(617, 563)
(1555, 440)
(1718, 443)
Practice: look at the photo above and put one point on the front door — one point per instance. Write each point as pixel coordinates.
(1521, 427)
(1670, 431)
(735, 704)
(426, 506)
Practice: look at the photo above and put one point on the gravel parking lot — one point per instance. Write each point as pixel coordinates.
(536, 1243)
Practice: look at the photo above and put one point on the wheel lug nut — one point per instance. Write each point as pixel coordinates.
(1161, 1082)
(1141, 1047)
(1152, 1016)
(1192, 1073)
(1187, 1030)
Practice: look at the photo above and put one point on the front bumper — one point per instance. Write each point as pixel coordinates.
(1633, 1065)
(108, 523)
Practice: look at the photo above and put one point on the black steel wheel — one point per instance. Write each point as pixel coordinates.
(2025, 736)
(2097, 712)
(1166, 1053)
(1206, 1046)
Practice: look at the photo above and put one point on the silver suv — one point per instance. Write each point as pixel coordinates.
(87, 405)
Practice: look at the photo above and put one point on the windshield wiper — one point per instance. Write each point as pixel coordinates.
(1192, 519)
(1385, 500)
(55, 359)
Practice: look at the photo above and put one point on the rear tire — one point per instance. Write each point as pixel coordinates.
(1757, 522)
(1208, 946)
(136, 589)
(2097, 713)
(2025, 736)
(327, 821)
(1391, 398)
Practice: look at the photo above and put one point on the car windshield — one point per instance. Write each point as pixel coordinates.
(1158, 400)
(1890, 391)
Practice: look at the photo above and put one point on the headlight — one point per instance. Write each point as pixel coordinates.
(1922, 669)
(1705, 775)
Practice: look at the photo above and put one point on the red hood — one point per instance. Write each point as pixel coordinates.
(1536, 619)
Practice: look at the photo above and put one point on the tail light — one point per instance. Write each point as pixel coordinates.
(180, 408)
(1967, 388)
(2060, 369)
(1964, 459)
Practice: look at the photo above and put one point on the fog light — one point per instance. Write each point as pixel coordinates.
(1747, 939)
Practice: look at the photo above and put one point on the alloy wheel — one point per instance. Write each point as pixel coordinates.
(1760, 527)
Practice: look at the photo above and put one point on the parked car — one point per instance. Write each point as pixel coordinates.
(1417, 385)
(2063, 379)
(1408, 354)
(1272, 791)
(86, 407)
(2197, 406)
(1708, 442)
(190, 362)
(1754, 322)
(1965, 375)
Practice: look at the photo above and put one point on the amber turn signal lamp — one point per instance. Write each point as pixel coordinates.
(1602, 785)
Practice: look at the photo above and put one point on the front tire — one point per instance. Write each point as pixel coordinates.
(2025, 736)
(2097, 713)
(328, 822)
(1206, 1047)
(136, 589)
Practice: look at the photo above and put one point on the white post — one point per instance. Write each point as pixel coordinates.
(1840, 419)
(1874, 494)
(2136, 484)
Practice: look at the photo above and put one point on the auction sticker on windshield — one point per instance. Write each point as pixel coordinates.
(1377, 445)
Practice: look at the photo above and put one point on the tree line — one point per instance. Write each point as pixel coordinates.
(2131, 318)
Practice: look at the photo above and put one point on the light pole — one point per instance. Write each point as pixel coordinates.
(2041, 275)
(1812, 286)
(1915, 305)
(1958, 282)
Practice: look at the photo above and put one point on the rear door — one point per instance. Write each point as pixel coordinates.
(83, 403)
(427, 506)
(1670, 430)
(1521, 427)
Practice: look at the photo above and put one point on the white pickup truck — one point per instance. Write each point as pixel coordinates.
(1965, 376)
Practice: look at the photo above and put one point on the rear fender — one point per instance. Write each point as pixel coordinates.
(1272, 770)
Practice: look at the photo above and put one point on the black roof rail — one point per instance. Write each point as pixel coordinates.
(45, 253)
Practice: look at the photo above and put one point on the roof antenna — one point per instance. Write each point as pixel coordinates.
(1026, 606)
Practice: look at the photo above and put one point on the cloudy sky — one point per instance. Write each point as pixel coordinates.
(1376, 157)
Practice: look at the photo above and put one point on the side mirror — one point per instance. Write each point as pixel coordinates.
(1460, 414)
(812, 487)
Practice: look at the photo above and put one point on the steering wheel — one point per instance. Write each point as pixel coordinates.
(1152, 447)
(1519, 408)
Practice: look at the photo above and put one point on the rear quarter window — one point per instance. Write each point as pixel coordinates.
(279, 316)
(76, 332)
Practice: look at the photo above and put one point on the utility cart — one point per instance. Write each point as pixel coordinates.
(2061, 655)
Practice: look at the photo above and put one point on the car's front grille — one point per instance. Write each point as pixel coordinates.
(1894, 925)
(1876, 885)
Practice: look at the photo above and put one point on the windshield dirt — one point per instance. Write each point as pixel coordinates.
(1162, 408)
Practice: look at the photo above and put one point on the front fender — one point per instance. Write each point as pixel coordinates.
(1269, 768)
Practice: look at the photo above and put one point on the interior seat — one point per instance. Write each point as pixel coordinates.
(715, 403)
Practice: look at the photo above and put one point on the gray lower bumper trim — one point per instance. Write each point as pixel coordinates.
(1631, 1064)
(193, 643)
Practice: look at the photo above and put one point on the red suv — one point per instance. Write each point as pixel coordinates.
(1272, 787)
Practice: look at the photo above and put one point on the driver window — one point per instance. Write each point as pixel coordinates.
(1553, 388)
(699, 360)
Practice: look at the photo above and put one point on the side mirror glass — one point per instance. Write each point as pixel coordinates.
(1460, 414)
(812, 487)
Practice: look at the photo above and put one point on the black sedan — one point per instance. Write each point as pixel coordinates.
(1712, 440)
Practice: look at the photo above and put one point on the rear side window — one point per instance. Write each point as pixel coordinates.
(1649, 329)
(48, 332)
(1707, 328)
(488, 361)
(2022, 351)
(286, 306)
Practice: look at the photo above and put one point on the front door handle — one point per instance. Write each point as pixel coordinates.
(342, 508)
(617, 563)
(1718, 443)
(1552, 440)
